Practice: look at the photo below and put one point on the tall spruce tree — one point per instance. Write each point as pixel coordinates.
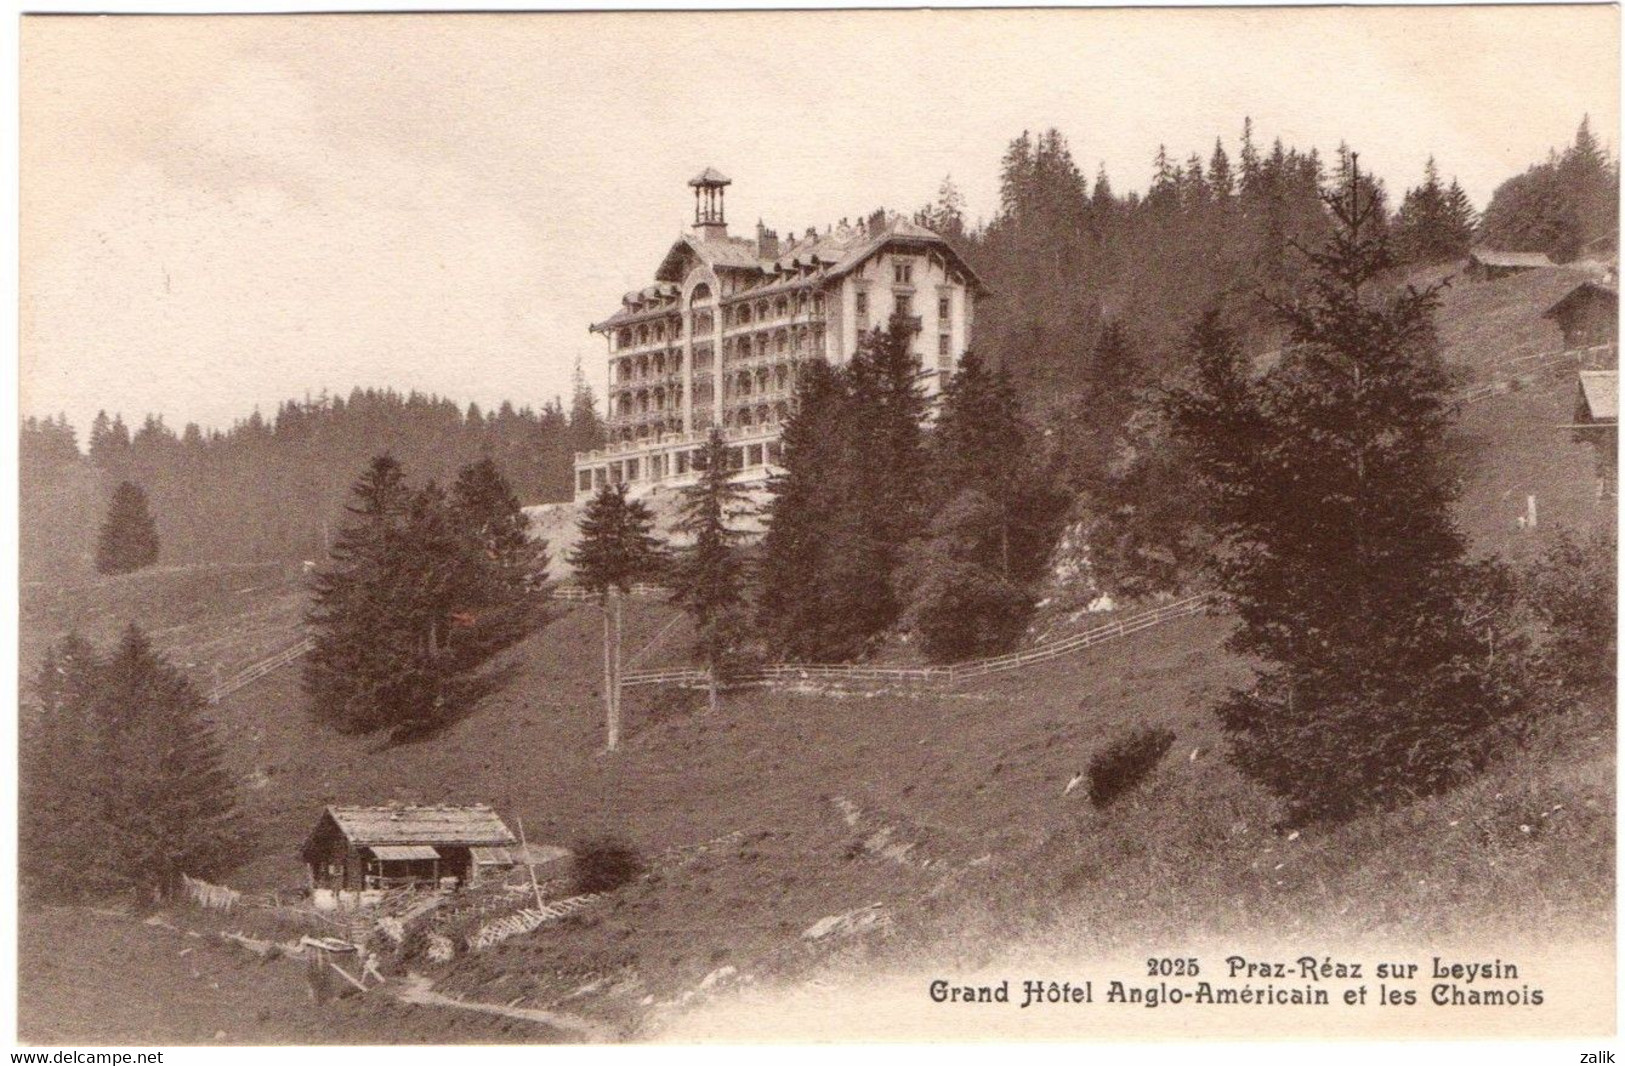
(799, 605)
(1332, 485)
(852, 498)
(506, 567)
(148, 798)
(1434, 224)
(419, 590)
(1557, 206)
(351, 672)
(980, 442)
(128, 540)
(994, 518)
(709, 575)
(617, 549)
(172, 800)
(59, 823)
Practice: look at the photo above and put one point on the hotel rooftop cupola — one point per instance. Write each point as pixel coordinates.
(709, 221)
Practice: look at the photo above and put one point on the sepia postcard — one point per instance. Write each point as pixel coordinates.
(856, 526)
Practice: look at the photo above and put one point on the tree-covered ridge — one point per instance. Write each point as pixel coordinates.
(274, 489)
(1558, 206)
(1066, 256)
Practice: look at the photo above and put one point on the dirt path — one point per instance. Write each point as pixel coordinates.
(417, 989)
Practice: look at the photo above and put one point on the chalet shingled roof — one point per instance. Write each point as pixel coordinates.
(465, 825)
(1526, 260)
(1600, 391)
(1586, 290)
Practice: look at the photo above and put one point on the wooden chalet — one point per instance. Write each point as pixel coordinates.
(1588, 315)
(1487, 264)
(1596, 422)
(359, 848)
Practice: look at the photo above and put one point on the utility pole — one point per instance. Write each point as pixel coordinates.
(612, 665)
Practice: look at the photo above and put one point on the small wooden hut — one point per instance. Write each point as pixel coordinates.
(357, 848)
(1487, 264)
(1588, 315)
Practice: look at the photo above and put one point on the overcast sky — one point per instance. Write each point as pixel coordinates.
(226, 212)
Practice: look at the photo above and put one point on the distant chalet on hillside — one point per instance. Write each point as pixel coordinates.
(715, 340)
(1487, 264)
(1596, 422)
(356, 848)
(1588, 315)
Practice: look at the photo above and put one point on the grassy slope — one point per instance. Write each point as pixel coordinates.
(127, 983)
(970, 776)
(203, 618)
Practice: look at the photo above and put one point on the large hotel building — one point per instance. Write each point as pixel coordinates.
(715, 340)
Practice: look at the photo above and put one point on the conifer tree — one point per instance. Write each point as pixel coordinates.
(351, 672)
(399, 611)
(1434, 224)
(128, 540)
(59, 824)
(709, 576)
(1337, 549)
(889, 407)
(148, 797)
(797, 605)
(506, 566)
(1557, 206)
(981, 443)
(617, 549)
(173, 802)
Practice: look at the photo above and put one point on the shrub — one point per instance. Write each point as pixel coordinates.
(1121, 765)
(1571, 589)
(605, 863)
(1331, 748)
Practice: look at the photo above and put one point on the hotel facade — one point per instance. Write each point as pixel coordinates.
(715, 340)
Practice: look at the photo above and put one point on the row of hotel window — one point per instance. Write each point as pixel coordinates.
(663, 363)
(672, 464)
(903, 305)
(743, 315)
(736, 315)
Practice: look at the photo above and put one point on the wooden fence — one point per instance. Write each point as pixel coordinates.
(1508, 375)
(523, 921)
(260, 669)
(952, 674)
(577, 594)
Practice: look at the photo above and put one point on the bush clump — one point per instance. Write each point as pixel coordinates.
(605, 863)
(1572, 591)
(1121, 765)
